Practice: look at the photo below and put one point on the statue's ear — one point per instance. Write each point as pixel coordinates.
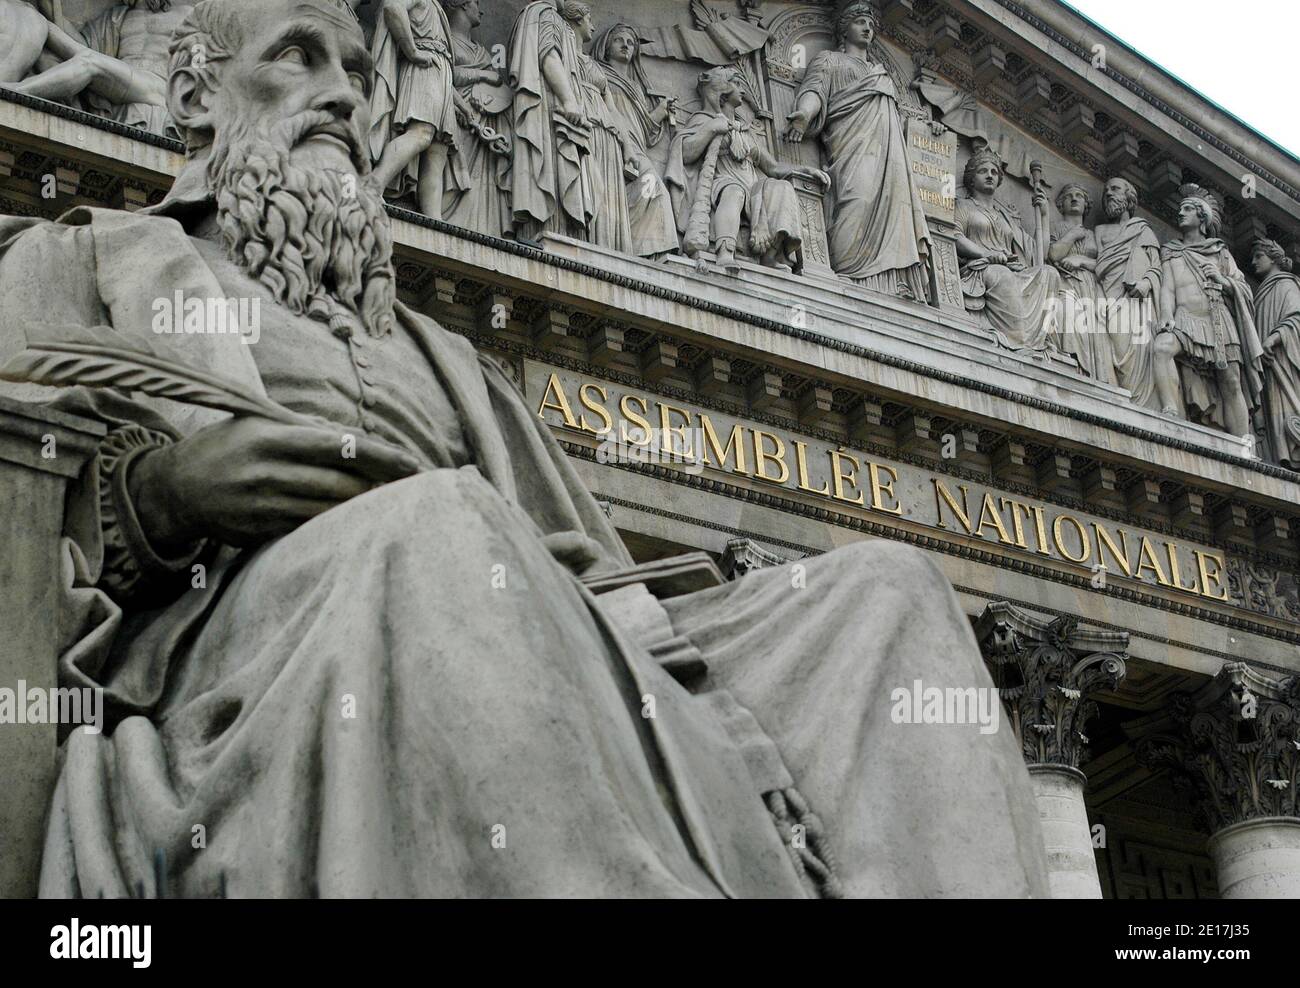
(188, 100)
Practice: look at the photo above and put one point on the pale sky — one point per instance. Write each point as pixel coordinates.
(1241, 54)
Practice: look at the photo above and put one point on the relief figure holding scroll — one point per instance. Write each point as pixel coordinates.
(878, 234)
(1128, 271)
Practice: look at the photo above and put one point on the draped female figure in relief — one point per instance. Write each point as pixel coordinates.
(878, 234)
(1277, 317)
(568, 174)
(1074, 254)
(476, 193)
(995, 251)
(645, 121)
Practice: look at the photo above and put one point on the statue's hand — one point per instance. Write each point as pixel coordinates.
(796, 128)
(246, 480)
(421, 59)
(1141, 290)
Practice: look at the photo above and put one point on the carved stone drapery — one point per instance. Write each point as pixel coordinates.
(1045, 671)
(1234, 745)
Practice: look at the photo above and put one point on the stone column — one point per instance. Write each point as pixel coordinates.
(1045, 671)
(41, 450)
(1234, 745)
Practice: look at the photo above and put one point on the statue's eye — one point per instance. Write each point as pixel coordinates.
(358, 81)
(292, 54)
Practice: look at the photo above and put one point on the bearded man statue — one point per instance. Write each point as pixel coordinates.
(360, 652)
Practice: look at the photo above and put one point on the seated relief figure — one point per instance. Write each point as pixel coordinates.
(1277, 318)
(1209, 361)
(392, 680)
(645, 122)
(878, 234)
(1081, 313)
(1129, 274)
(723, 180)
(569, 173)
(476, 189)
(1017, 300)
(119, 67)
(413, 126)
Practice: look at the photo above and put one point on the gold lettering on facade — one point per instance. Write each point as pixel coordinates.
(801, 461)
(1085, 544)
(762, 457)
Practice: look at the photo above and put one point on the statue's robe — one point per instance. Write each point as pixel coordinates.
(551, 185)
(878, 232)
(1277, 310)
(1223, 340)
(413, 694)
(1131, 257)
(1082, 319)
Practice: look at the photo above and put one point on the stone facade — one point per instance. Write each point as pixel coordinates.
(784, 277)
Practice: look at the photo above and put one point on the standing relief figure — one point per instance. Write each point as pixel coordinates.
(645, 121)
(723, 180)
(1277, 317)
(1074, 254)
(998, 277)
(569, 171)
(476, 191)
(412, 112)
(1207, 341)
(1128, 271)
(878, 233)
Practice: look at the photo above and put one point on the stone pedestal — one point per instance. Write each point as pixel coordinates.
(41, 451)
(1058, 791)
(1258, 859)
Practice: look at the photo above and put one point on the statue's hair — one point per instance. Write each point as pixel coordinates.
(156, 6)
(1207, 205)
(572, 10)
(456, 4)
(981, 157)
(848, 15)
(210, 34)
(1130, 192)
(1272, 250)
(1071, 187)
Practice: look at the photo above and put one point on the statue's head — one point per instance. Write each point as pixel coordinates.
(983, 173)
(620, 43)
(274, 94)
(1074, 200)
(578, 14)
(472, 10)
(719, 85)
(1267, 256)
(1199, 211)
(154, 6)
(856, 25)
(1120, 198)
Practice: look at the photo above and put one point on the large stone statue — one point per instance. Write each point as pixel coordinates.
(999, 279)
(412, 110)
(390, 679)
(723, 179)
(120, 69)
(1207, 341)
(645, 122)
(569, 172)
(476, 192)
(878, 234)
(1128, 271)
(1277, 318)
(1074, 254)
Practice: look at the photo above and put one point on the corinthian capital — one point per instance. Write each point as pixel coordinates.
(1045, 672)
(1234, 745)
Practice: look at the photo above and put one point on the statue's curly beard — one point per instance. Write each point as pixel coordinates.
(318, 239)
